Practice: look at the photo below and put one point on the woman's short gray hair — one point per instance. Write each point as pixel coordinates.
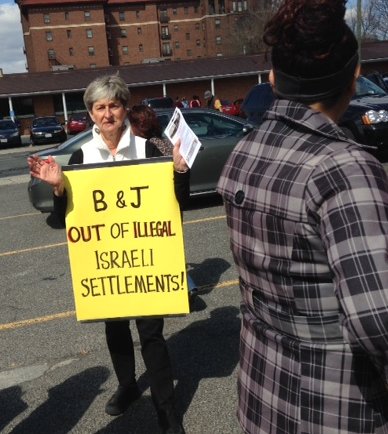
(107, 87)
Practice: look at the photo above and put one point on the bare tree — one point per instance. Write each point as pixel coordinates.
(382, 11)
(374, 21)
(247, 35)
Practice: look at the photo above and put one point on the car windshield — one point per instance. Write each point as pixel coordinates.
(365, 87)
(44, 122)
(159, 102)
(7, 125)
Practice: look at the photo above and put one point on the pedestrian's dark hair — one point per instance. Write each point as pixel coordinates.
(314, 53)
(144, 119)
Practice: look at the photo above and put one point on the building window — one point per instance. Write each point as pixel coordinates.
(51, 53)
(121, 15)
(71, 51)
(123, 33)
(189, 53)
(186, 10)
(68, 33)
(93, 65)
(187, 36)
(177, 44)
(218, 40)
(87, 16)
(46, 18)
(174, 11)
(49, 36)
(196, 26)
(139, 31)
(124, 49)
(137, 13)
(91, 51)
(217, 23)
(239, 6)
(89, 33)
(198, 42)
(166, 49)
(141, 49)
(219, 54)
(176, 27)
(66, 15)
(165, 32)
(196, 9)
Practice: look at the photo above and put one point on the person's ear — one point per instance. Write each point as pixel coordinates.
(91, 117)
(272, 78)
(355, 77)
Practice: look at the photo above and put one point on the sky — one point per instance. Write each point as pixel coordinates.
(12, 59)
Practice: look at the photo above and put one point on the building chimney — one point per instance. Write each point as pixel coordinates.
(1, 72)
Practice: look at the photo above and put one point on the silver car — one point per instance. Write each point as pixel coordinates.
(218, 133)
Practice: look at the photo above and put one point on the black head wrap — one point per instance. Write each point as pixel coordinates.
(309, 90)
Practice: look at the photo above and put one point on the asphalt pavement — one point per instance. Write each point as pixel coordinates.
(55, 372)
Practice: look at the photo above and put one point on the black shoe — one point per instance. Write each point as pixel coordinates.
(122, 399)
(193, 294)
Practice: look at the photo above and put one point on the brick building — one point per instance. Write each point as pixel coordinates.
(79, 34)
(60, 92)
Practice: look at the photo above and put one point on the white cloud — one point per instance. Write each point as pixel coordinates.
(12, 58)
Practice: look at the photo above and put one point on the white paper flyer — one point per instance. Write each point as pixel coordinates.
(177, 129)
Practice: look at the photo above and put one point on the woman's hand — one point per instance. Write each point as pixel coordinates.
(180, 165)
(47, 170)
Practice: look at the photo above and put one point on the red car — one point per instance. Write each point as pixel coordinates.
(78, 122)
(231, 108)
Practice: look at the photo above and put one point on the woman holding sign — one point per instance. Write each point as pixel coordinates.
(106, 99)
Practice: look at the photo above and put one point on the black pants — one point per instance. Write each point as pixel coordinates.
(156, 359)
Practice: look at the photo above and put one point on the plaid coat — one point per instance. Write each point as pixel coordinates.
(307, 211)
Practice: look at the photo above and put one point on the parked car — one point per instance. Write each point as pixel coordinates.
(378, 79)
(9, 134)
(78, 122)
(217, 132)
(365, 120)
(231, 108)
(159, 102)
(47, 129)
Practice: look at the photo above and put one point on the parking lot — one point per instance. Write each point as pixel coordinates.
(55, 373)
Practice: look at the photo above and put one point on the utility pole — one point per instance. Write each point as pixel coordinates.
(359, 27)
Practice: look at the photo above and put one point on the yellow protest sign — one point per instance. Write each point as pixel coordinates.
(125, 240)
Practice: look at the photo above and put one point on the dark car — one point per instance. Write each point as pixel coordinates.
(47, 129)
(78, 122)
(365, 120)
(9, 133)
(217, 132)
(159, 102)
(367, 117)
(378, 79)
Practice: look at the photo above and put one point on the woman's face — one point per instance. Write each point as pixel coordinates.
(108, 115)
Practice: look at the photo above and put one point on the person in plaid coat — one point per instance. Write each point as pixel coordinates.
(307, 211)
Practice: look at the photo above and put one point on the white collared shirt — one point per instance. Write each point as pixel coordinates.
(130, 147)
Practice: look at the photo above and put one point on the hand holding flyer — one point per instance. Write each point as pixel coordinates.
(176, 129)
